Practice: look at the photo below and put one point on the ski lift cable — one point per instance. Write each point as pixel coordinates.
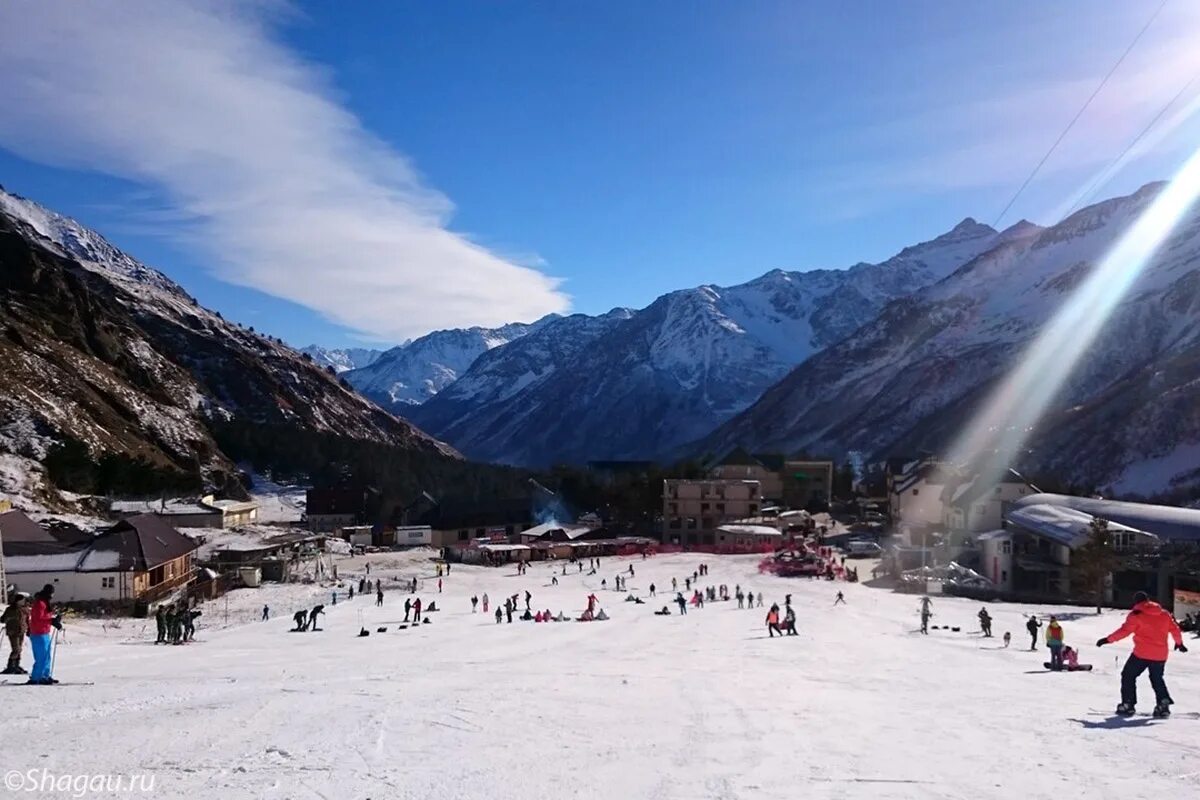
(1078, 114)
(1105, 173)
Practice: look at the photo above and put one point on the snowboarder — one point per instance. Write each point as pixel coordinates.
(841, 598)
(985, 622)
(554, 580)
(160, 622)
(1033, 626)
(416, 609)
(378, 596)
(301, 620)
(41, 620)
(317, 611)
(16, 625)
(1054, 641)
(1151, 626)
(267, 612)
(773, 621)
(789, 621)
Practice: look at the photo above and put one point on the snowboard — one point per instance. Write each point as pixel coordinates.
(60, 683)
(1077, 668)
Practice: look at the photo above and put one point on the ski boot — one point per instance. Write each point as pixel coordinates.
(1124, 710)
(1162, 710)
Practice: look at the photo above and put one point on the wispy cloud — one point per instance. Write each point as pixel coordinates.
(284, 190)
(976, 131)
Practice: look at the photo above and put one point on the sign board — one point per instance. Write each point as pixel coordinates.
(414, 535)
(1186, 603)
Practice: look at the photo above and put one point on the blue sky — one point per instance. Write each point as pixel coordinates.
(350, 174)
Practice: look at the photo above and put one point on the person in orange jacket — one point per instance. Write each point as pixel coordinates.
(1150, 625)
(773, 621)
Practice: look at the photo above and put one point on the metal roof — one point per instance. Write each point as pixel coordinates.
(1166, 522)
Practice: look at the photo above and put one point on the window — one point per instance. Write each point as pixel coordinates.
(754, 508)
(675, 524)
(720, 508)
(479, 532)
(463, 536)
(674, 508)
(691, 523)
(706, 523)
(1004, 576)
(108, 583)
(1006, 547)
(704, 506)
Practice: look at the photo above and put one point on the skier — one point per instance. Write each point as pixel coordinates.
(1054, 641)
(474, 603)
(652, 590)
(773, 621)
(789, 621)
(528, 597)
(760, 599)
(312, 616)
(841, 598)
(1033, 626)
(439, 585)
(499, 614)
(351, 591)
(985, 622)
(554, 580)
(416, 608)
(682, 603)
(333, 597)
(674, 585)
(301, 620)
(925, 614)
(1007, 638)
(41, 620)
(631, 570)
(687, 584)
(485, 602)
(1151, 626)
(378, 596)
(508, 610)
(408, 607)
(160, 622)
(740, 598)
(16, 625)
(267, 613)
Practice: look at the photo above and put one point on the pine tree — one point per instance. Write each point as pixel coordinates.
(1094, 561)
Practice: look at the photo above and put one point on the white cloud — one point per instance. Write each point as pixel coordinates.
(978, 129)
(286, 191)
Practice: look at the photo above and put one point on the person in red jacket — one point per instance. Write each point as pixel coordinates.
(41, 620)
(1150, 625)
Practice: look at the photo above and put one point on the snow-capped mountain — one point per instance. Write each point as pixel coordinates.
(636, 385)
(1128, 417)
(416, 371)
(342, 359)
(105, 354)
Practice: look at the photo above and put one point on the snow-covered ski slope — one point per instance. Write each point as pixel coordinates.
(703, 706)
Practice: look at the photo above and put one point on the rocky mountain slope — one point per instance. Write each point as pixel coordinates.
(415, 371)
(1128, 417)
(108, 361)
(342, 359)
(638, 384)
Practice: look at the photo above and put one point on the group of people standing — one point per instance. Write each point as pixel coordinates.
(34, 621)
(175, 623)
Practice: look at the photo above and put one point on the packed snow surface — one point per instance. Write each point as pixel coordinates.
(859, 705)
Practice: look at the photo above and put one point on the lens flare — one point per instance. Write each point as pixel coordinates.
(993, 437)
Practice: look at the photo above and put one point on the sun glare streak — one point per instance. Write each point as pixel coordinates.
(997, 432)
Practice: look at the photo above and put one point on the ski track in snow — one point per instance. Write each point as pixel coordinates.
(701, 706)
